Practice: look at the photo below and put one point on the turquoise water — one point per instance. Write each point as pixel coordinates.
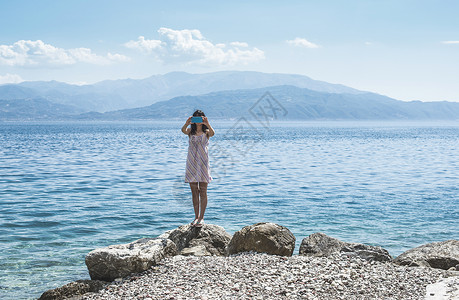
(66, 189)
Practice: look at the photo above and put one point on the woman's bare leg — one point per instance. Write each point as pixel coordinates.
(195, 195)
(202, 199)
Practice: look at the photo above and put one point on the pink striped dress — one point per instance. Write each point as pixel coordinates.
(197, 162)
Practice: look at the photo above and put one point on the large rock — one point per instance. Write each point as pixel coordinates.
(443, 289)
(121, 260)
(320, 244)
(264, 238)
(441, 255)
(199, 241)
(72, 289)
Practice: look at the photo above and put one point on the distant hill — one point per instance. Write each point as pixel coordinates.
(35, 109)
(223, 95)
(130, 93)
(292, 103)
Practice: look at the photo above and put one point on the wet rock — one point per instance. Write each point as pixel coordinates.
(441, 255)
(200, 241)
(267, 238)
(72, 289)
(320, 244)
(121, 260)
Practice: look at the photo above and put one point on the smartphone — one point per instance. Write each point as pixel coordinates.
(196, 119)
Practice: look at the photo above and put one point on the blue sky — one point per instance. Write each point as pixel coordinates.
(408, 50)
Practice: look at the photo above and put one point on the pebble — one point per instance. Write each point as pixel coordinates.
(262, 276)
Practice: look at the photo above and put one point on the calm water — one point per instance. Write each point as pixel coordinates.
(66, 189)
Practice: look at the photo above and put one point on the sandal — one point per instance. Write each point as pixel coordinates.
(199, 223)
(194, 222)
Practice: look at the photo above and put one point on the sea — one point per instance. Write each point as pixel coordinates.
(67, 188)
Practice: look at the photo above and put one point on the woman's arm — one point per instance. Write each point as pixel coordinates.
(185, 128)
(210, 132)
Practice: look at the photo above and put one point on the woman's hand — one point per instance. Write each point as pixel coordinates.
(185, 128)
(210, 131)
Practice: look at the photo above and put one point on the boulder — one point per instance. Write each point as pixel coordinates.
(199, 250)
(263, 238)
(320, 244)
(441, 255)
(444, 288)
(72, 289)
(121, 260)
(199, 241)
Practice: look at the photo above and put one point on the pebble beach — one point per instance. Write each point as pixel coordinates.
(252, 275)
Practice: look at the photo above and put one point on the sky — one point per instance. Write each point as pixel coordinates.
(405, 49)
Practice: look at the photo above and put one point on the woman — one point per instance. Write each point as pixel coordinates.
(197, 163)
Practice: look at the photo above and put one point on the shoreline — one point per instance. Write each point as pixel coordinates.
(257, 262)
(252, 275)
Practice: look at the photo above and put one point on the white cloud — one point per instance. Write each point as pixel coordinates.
(450, 42)
(118, 57)
(300, 42)
(37, 53)
(239, 44)
(144, 45)
(190, 46)
(10, 78)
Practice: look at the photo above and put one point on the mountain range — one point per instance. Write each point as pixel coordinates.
(130, 93)
(222, 95)
(289, 103)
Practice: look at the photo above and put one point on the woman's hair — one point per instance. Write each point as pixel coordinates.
(198, 113)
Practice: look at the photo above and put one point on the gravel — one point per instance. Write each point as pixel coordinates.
(261, 276)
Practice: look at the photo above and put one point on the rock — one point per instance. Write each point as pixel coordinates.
(199, 250)
(76, 288)
(200, 241)
(440, 255)
(445, 288)
(263, 238)
(320, 244)
(121, 260)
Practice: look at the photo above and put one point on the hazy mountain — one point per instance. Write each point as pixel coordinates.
(223, 95)
(291, 103)
(12, 91)
(163, 87)
(35, 109)
(129, 93)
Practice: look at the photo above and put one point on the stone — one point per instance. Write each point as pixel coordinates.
(253, 275)
(199, 250)
(263, 237)
(72, 289)
(441, 255)
(207, 240)
(320, 244)
(444, 288)
(122, 260)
